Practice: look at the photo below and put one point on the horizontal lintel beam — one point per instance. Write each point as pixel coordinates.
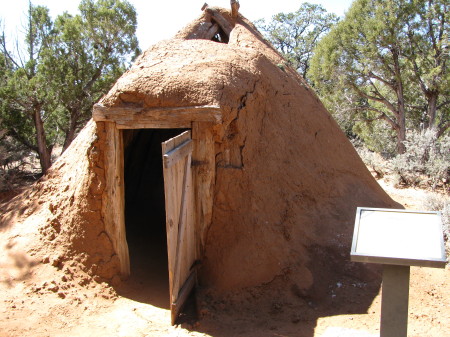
(129, 115)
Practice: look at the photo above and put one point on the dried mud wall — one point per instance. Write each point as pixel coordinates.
(287, 180)
(64, 208)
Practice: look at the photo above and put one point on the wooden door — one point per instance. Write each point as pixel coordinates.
(179, 199)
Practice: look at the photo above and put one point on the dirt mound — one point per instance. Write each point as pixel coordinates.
(56, 221)
(287, 181)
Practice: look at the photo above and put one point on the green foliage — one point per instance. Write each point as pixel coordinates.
(376, 136)
(296, 34)
(23, 88)
(48, 89)
(88, 53)
(388, 61)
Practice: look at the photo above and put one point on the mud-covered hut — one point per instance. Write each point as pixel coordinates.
(212, 147)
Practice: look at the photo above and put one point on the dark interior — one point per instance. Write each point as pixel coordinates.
(145, 213)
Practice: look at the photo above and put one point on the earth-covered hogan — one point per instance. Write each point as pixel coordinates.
(260, 190)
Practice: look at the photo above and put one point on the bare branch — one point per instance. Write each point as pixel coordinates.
(381, 116)
(379, 78)
(440, 106)
(12, 131)
(380, 99)
(442, 129)
(5, 51)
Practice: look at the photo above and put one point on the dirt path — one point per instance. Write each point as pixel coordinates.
(38, 302)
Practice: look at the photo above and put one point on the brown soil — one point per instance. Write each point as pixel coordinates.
(55, 300)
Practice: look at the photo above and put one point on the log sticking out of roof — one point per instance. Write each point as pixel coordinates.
(234, 8)
(221, 21)
(217, 23)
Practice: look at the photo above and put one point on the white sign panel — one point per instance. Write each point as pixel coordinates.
(392, 236)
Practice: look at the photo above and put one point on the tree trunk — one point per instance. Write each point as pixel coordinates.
(70, 134)
(431, 110)
(45, 153)
(401, 118)
(401, 121)
(401, 137)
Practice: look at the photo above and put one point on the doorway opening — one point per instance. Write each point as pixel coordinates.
(145, 217)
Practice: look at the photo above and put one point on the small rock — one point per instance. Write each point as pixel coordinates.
(54, 288)
(55, 261)
(61, 294)
(84, 281)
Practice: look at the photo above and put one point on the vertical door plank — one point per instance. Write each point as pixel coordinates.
(179, 218)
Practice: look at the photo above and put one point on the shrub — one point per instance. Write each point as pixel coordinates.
(436, 202)
(372, 159)
(426, 160)
(376, 137)
(14, 162)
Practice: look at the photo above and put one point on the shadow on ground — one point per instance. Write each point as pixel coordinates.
(282, 309)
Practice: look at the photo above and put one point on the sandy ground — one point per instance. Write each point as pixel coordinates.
(35, 302)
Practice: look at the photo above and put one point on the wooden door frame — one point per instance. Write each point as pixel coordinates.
(200, 119)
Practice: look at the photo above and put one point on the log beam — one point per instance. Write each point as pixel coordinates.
(221, 21)
(234, 8)
(126, 116)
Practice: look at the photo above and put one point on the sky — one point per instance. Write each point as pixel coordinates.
(161, 19)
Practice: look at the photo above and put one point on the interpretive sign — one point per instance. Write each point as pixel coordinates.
(399, 237)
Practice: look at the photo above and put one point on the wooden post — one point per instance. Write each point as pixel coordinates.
(234, 8)
(394, 301)
(113, 202)
(204, 169)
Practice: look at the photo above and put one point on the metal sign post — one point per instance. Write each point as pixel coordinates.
(397, 239)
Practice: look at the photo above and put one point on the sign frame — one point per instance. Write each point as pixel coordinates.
(359, 254)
